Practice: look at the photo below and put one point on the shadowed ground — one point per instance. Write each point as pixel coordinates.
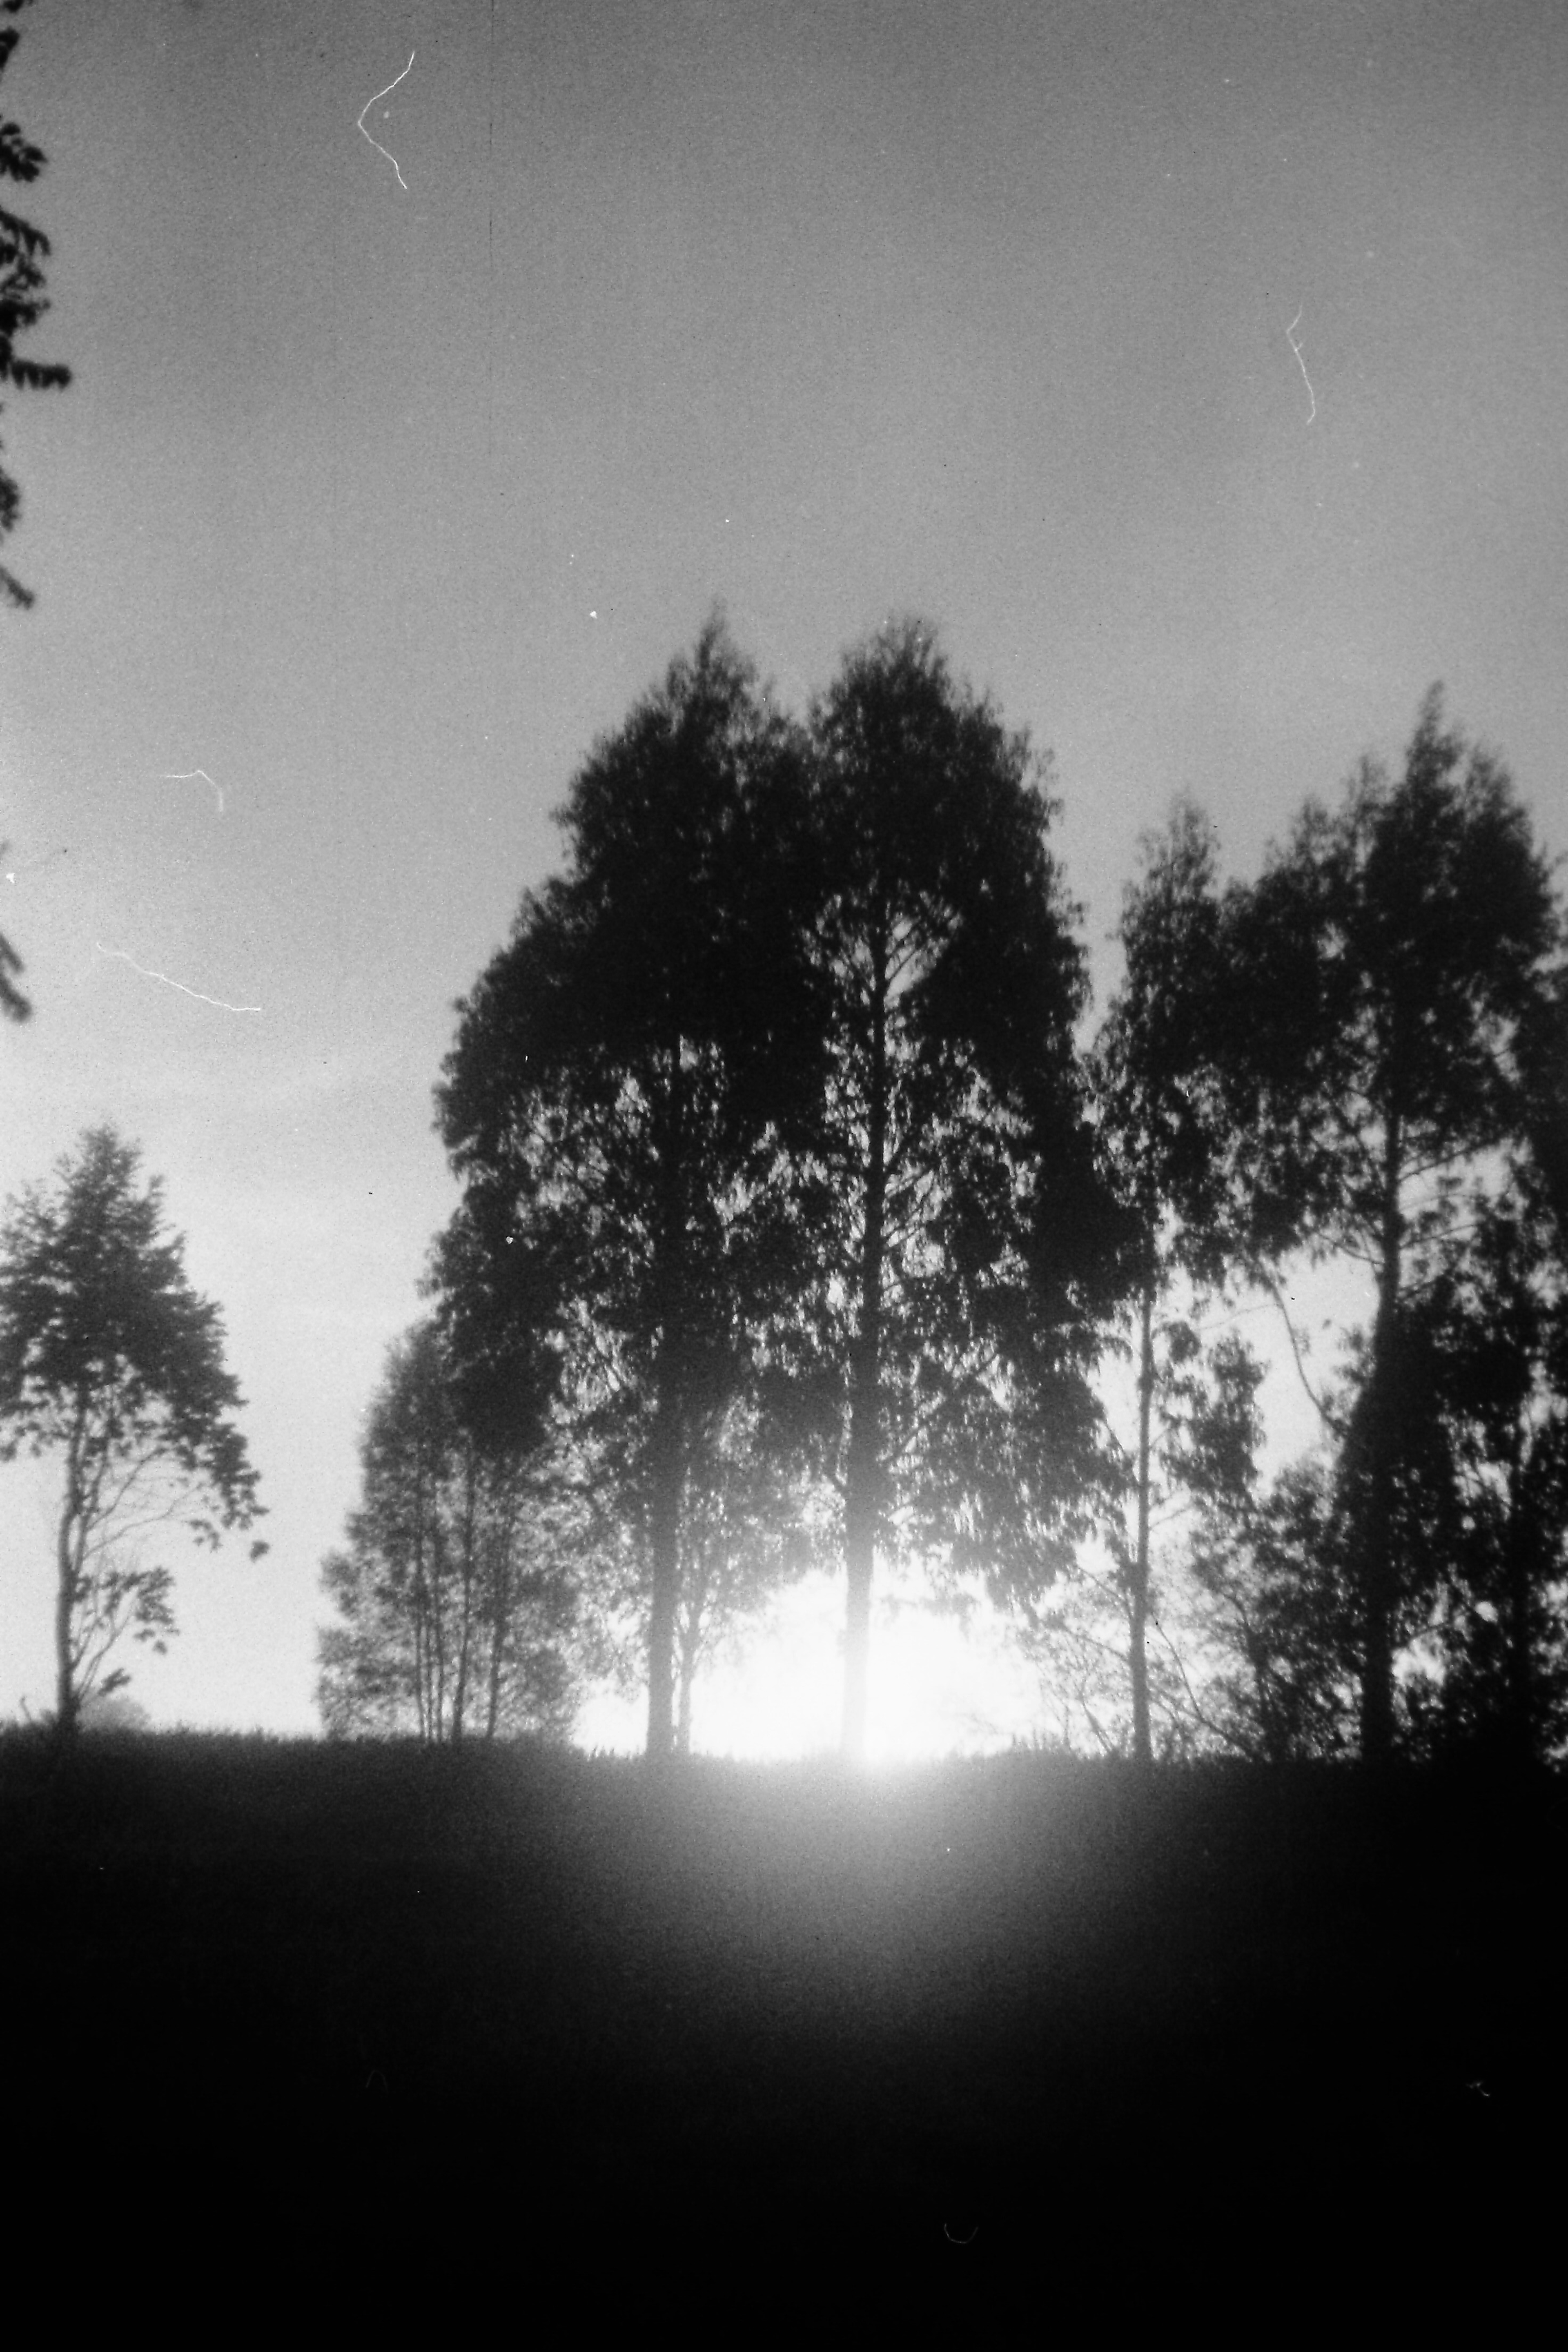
(1024, 2001)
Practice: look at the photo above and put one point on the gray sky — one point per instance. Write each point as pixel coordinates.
(1198, 369)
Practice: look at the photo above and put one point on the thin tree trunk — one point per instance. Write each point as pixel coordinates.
(499, 1582)
(665, 1532)
(690, 1642)
(466, 1626)
(1375, 1538)
(1519, 1699)
(1138, 1598)
(683, 1716)
(67, 1707)
(863, 1467)
(669, 1434)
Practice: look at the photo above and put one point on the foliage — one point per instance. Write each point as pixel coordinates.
(24, 249)
(454, 1591)
(13, 1005)
(114, 1711)
(1493, 1321)
(109, 1358)
(1276, 1614)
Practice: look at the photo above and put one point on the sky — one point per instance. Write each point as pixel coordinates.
(1198, 370)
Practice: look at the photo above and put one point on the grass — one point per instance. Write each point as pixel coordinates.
(783, 1999)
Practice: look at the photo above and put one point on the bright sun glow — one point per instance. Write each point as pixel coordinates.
(933, 1692)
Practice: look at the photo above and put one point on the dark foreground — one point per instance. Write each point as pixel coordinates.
(1011, 2005)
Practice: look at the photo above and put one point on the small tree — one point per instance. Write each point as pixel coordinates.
(109, 1358)
(454, 1590)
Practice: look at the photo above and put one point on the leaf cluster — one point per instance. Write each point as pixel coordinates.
(24, 249)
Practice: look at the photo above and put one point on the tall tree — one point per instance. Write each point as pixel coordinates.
(1393, 957)
(964, 1240)
(625, 1073)
(1158, 1066)
(109, 1358)
(454, 1591)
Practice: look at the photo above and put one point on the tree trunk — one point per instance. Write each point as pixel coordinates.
(668, 1464)
(864, 1464)
(1138, 1598)
(499, 1587)
(465, 1625)
(665, 1532)
(68, 1706)
(1375, 1578)
(1519, 1664)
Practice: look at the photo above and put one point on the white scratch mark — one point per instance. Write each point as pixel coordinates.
(189, 775)
(1300, 362)
(364, 110)
(120, 955)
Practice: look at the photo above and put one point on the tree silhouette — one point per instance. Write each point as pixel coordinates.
(623, 1073)
(1391, 959)
(963, 1241)
(455, 1589)
(109, 1358)
(1158, 1070)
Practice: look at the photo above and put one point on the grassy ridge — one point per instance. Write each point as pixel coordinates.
(996, 1987)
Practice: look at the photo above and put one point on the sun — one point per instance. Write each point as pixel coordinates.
(934, 1692)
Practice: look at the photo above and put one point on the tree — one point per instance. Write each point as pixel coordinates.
(455, 1591)
(24, 249)
(109, 1358)
(625, 1073)
(963, 1239)
(1157, 1067)
(1394, 956)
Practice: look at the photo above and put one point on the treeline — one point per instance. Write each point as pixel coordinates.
(803, 1223)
